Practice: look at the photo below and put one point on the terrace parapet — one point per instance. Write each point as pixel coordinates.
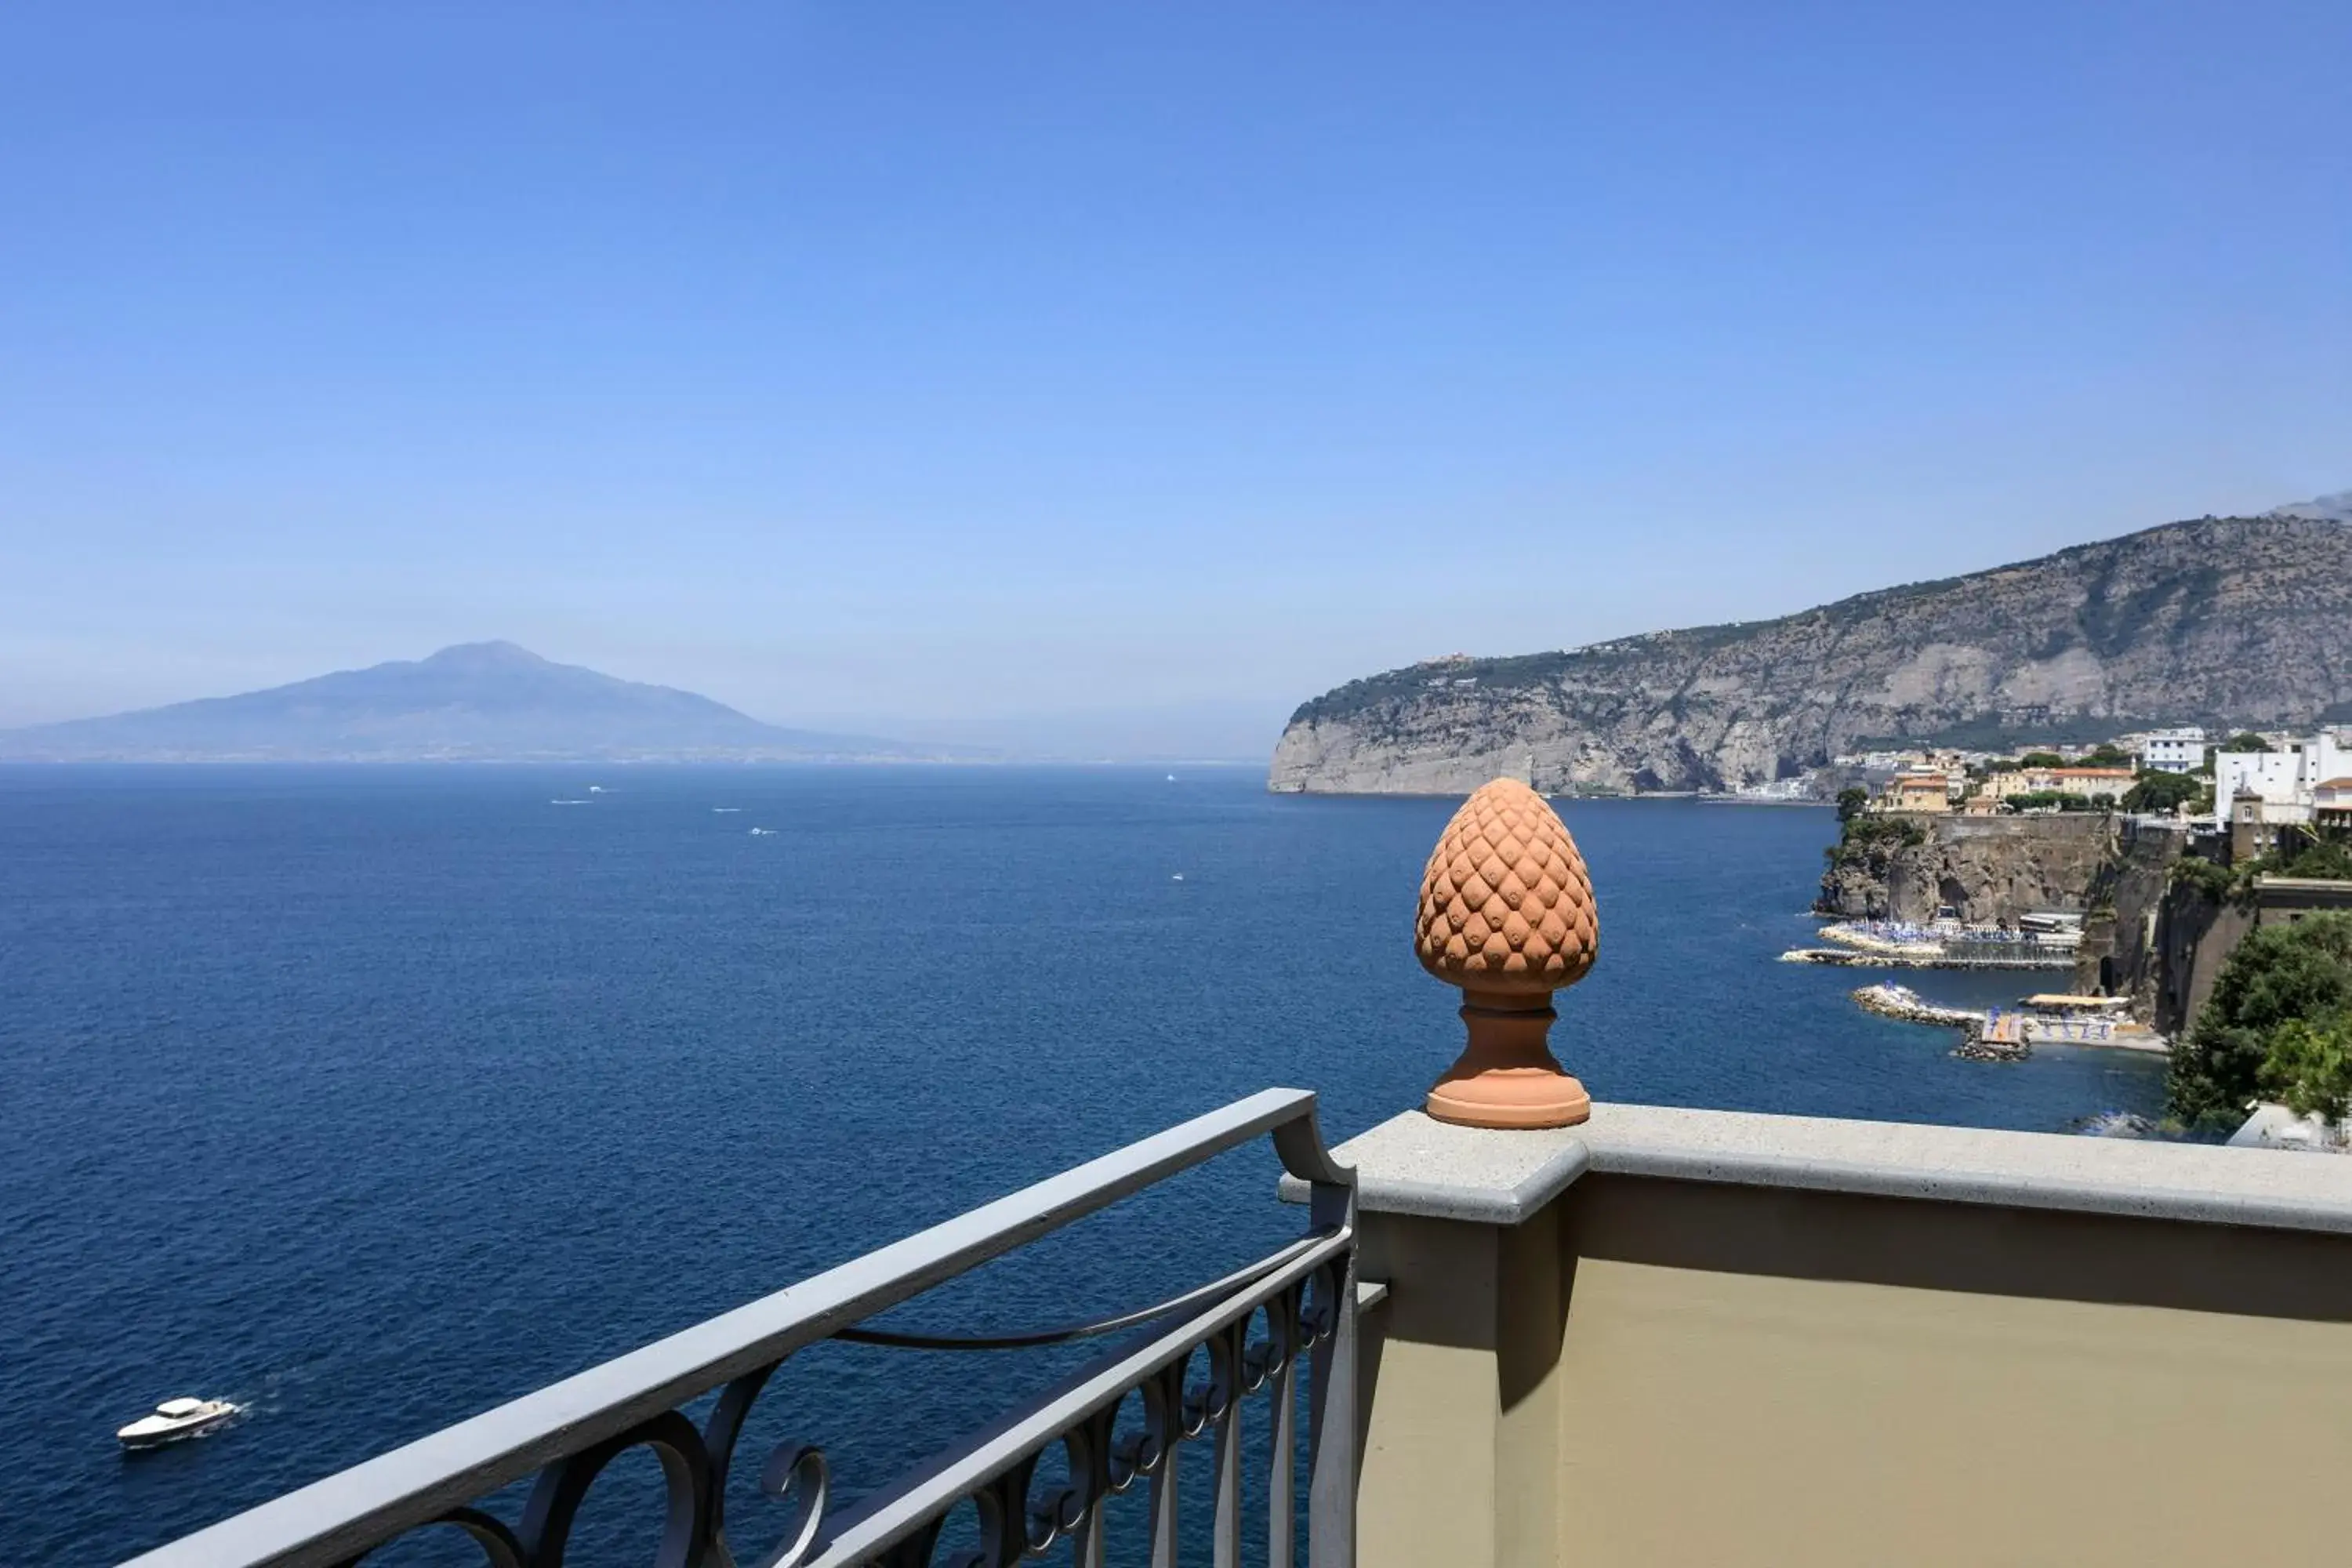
(1875, 1343)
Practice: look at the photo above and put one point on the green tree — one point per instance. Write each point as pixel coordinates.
(2106, 755)
(2245, 740)
(1872, 840)
(1852, 802)
(2159, 791)
(2310, 1065)
(2306, 854)
(2208, 876)
(2064, 800)
(2042, 760)
(2279, 975)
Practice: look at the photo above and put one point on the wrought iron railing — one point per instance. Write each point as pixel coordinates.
(1304, 1293)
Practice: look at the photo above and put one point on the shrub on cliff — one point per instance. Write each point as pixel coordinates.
(1869, 840)
(2210, 878)
(2279, 1021)
(2305, 855)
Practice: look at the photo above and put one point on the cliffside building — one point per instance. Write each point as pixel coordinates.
(1922, 792)
(2256, 823)
(2090, 781)
(2086, 782)
(2173, 751)
(2332, 805)
(2284, 777)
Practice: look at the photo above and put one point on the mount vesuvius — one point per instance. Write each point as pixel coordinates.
(489, 702)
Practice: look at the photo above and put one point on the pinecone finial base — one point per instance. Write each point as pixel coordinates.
(1507, 1077)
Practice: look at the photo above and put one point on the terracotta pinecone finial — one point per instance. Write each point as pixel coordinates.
(1507, 915)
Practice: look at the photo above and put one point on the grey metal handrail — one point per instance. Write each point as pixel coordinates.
(568, 1431)
(1216, 1289)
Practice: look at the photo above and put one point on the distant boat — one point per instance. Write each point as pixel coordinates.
(763, 833)
(1172, 778)
(1177, 877)
(724, 809)
(174, 1419)
(595, 789)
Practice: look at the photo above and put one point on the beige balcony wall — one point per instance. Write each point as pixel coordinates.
(1656, 1372)
(1755, 1376)
(1460, 1370)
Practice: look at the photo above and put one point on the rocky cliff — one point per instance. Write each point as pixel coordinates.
(1990, 868)
(2122, 952)
(2246, 621)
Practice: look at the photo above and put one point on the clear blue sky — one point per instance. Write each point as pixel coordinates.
(1057, 370)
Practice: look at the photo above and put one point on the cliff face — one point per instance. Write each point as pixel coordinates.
(1990, 868)
(2122, 951)
(2247, 620)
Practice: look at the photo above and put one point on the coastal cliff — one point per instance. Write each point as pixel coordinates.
(2243, 620)
(1990, 868)
(2123, 952)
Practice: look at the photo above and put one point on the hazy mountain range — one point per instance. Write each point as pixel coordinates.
(2337, 507)
(2237, 621)
(489, 702)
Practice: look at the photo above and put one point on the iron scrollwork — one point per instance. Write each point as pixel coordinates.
(1021, 1508)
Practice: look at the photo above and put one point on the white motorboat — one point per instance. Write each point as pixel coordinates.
(174, 1419)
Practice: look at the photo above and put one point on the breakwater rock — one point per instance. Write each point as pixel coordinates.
(1854, 958)
(1982, 1046)
(1902, 1003)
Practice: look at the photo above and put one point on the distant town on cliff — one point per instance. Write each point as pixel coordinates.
(2224, 623)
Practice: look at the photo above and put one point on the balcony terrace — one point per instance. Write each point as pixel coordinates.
(1538, 1332)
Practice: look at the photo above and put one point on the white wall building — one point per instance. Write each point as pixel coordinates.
(2288, 777)
(2173, 751)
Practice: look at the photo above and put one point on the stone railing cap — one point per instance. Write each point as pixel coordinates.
(1410, 1164)
(1416, 1164)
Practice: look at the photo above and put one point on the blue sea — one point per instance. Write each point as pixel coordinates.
(370, 1098)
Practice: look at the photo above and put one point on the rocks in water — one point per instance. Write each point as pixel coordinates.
(1982, 1046)
(2116, 1124)
(1901, 1002)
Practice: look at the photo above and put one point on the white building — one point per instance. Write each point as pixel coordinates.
(2289, 775)
(2173, 751)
